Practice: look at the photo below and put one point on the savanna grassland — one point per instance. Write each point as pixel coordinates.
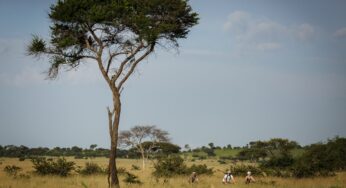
(99, 181)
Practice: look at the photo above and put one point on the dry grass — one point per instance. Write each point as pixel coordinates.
(99, 181)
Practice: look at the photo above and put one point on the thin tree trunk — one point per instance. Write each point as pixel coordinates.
(143, 159)
(114, 119)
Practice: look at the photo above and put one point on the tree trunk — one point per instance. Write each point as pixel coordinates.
(113, 174)
(143, 159)
(113, 120)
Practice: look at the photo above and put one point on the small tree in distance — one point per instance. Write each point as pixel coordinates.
(143, 138)
(116, 35)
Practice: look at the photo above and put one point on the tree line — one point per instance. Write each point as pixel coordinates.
(78, 152)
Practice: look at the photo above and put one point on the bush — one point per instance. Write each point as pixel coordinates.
(200, 169)
(169, 166)
(120, 170)
(21, 158)
(241, 170)
(12, 170)
(221, 161)
(174, 165)
(131, 179)
(60, 167)
(135, 167)
(281, 162)
(91, 168)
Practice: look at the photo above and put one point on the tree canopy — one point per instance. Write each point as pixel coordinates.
(126, 28)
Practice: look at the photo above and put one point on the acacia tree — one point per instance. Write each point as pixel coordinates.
(115, 34)
(143, 138)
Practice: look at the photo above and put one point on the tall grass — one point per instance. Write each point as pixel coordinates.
(99, 181)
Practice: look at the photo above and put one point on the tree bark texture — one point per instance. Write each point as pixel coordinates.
(113, 120)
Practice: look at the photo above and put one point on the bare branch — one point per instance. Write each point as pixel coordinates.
(110, 59)
(133, 66)
(123, 63)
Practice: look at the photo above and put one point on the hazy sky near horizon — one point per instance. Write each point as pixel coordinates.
(250, 70)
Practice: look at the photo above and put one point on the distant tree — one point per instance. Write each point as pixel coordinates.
(137, 135)
(277, 148)
(187, 147)
(93, 146)
(115, 34)
(160, 148)
(211, 145)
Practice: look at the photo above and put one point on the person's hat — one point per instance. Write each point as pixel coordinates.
(248, 173)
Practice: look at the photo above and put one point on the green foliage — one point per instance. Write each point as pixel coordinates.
(164, 148)
(60, 167)
(131, 179)
(91, 169)
(241, 170)
(174, 165)
(281, 161)
(169, 166)
(12, 170)
(21, 158)
(200, 169)
(37, 46)
(274, 147)
(123, 23)
(221, 161)
(322, 159)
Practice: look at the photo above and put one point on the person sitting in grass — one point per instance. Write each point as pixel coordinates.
(193, 178)
(249, 178)
(228, 178)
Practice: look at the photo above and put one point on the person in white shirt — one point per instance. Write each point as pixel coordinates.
(228, 178)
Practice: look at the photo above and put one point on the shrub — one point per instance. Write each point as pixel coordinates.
(120, 170)
(241, 170)
(221, 161)
(21, 158)
(131, 179)
(91, 168)
(169, 166)
(282, 161)
(135, 167)
(200, 169)
(318, 160)
(12, 170)
(60, 167)
(174, 165)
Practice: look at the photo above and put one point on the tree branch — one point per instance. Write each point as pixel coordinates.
(122, 64)
(134, 66)
(111, 56)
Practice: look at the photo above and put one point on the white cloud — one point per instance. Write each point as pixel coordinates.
(259, 33)
(303, 31)
(237, 21)
(340, 32)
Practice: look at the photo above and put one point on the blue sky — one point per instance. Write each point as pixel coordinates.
(250, 70)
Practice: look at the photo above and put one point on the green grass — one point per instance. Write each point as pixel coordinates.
(227, 152)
